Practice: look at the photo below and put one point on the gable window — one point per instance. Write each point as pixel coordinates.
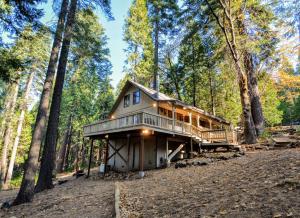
(136, 97)
(127, 100)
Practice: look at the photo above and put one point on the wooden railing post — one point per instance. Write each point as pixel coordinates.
(173, 117)
(226, 138)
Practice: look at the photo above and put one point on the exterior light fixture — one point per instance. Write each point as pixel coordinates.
(145, 132)
(184, 108)
(154, 105)
(112, 117)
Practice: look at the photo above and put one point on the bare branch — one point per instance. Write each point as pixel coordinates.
(223, 29)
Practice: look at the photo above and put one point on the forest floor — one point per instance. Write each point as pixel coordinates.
(258, 184)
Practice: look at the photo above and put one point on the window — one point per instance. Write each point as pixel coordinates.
(127, 100)
(179, 116)
(136, 97)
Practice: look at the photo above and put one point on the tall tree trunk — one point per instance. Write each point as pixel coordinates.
(8, 130)
(48, 156)
(77, 153)
(7, 105)
(194, 74)
(256, 108)
(230, 37)
(135, 65)
(156, 44)
(67, 159)
(23, 108)
(63, 149)
(26, 191)
(249, 129)
(76, 159)
(212, 97)
(173, 75)
(298, 64)
(83, 151)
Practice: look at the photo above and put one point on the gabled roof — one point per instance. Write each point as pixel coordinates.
(162, 97)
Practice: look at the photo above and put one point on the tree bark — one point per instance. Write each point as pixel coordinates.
(7, 105)
(8, 130)
(256, 108)
(156, 44)
(83, 151)
(230, 37)
(63, 149)
(173, 75)
(212, 97)
(67, 162)
(249, 130)
(194, 74)
(48, 156)
(298, 64)
(26, 191)
(23, 108)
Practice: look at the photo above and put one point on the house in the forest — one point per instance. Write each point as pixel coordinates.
(147, 129)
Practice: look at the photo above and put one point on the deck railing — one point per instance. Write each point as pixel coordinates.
(158, 121)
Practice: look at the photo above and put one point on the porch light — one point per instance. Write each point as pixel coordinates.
(154, 105)
(184, 108)
(145, 131)
(112, 117)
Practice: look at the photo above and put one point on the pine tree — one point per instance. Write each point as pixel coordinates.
(227, 11)
(48, 155)
(7, 132)
(87, 95)
(33, 48)
(163, 15)
(26, 191)
(16, 14)
(137, 35)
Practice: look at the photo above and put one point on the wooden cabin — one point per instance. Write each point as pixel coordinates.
(147, 130)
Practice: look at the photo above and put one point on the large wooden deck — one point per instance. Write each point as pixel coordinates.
(142, 120)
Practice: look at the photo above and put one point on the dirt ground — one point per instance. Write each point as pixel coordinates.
(76, 198)
(259, 184)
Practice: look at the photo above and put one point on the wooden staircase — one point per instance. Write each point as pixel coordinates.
(212, 139)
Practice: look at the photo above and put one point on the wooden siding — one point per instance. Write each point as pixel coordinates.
(146, 103)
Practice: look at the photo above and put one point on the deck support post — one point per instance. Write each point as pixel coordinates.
(191, 143)
(190, 122)
(167, 151)
(210, 127)
(128, 151)
(90, 159)
(141, 158)
(173, 117)
(106, 154)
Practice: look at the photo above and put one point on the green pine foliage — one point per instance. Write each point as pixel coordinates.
(88, 94)
(137, 34)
